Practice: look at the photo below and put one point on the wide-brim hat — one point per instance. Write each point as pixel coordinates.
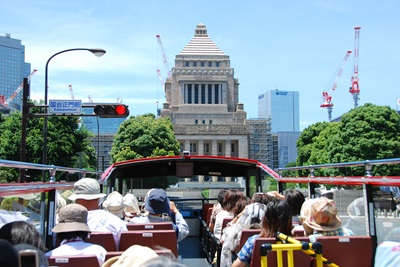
(72, 218)
(114, 204)
(135, 255)
(157, 201)
(86, 188)
(321, 215)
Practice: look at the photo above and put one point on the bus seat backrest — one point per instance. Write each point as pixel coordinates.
(208, 216)
(246, 233)
(347, 250)
(300, 258)
(155, 239)
(225, 221)
(298, 232)
(204, 210)
(73, 261)
(104, 239)
(150, 226)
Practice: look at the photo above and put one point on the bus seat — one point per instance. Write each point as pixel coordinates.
(208, 216)
(150, 226)
(73, 261)
(155, 239)
(347, 250)
(300, 258)
(225, 222)
(246, 233)
(298, 231)
(204, 210)
(104, 239)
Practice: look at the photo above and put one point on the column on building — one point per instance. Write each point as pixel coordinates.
(227, 148)
(214, 148)
(187, 145)
(201, 148)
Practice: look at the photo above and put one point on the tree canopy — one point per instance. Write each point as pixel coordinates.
(364, 133)
(144, 136)
(65, 144)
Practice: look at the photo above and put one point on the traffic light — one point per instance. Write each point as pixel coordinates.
(111, 111)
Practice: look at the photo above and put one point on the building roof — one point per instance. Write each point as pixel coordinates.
(201, 44)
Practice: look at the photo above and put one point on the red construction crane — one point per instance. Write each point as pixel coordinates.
(72, 92)
(326, 98)
(355, 89)
(18, 89)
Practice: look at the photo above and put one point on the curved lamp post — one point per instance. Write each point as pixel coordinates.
(97, 52)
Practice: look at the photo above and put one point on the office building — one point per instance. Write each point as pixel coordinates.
(13, 70)
(282, 107)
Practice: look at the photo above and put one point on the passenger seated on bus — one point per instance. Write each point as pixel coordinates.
(87, 193)
(21, 232)
(131, 206)
(114, 204)
(8, 255)
(233, 203)
(277, 218)
(42, 259)
(217, 207)
(295, 199)
(157, 206)
(72, 230)
(388, 252)
(320, 218)
(250, 218)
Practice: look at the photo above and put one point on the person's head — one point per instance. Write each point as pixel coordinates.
(8, 255)
(157, 201)
(131, 205)
(277, 218)
(231, 199)
(72, 222)
(261, 197)
(295, 199)
(319, 214)
(87, 193)
(221, 195)
(42, 259)
(114, 204)
(21, 232)
(135, 255)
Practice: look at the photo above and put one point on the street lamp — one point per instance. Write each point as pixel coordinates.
(97, 52)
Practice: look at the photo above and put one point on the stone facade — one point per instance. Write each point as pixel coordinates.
(202, 100)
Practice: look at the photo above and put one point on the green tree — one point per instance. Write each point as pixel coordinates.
(144, 136)
(65, 141)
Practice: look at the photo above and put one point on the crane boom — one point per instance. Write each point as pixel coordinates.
(326, 98)
(72, 92)
(355, 89)
(18, 89)
(165, 59)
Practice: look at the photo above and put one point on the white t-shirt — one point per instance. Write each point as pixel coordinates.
(387, 254)
(79, 247)
(103, 221)
(219, 219)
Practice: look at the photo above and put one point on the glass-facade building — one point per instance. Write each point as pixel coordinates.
(13, 70)
(282, 107)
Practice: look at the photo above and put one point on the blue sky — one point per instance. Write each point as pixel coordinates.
(286, 45)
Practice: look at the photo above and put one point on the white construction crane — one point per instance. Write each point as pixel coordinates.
(72, 92)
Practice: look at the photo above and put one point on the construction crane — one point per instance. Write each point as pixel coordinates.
(72, 92)
(165, 59)
(326, 98)
(355, 89)
(7, 102)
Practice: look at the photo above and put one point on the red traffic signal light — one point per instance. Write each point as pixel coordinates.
(111, 111)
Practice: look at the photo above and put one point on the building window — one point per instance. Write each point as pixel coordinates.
(220, 148)
(196, 121)
(210, 63)
(232, 148)
(189, 94)
(206, 148)
(203, 121)
(210, 122)
(193, 147)
(187, 64)
(209, 94)
(217, 64)
(196, 93)
(202, 63)
(203, 93)
(216, 91)
(194, 64)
